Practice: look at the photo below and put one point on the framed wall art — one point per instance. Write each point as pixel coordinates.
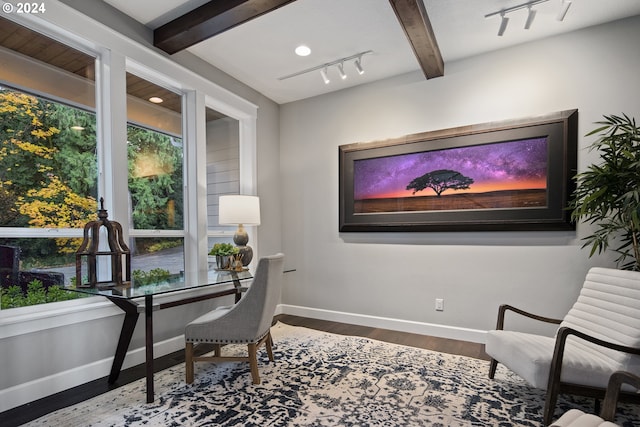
(510, 175)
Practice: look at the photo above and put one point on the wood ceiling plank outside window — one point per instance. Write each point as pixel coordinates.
(144, 89)
(35, 45)
(32, 44)
(46, 67)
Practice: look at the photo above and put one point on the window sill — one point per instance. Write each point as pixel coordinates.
(35, 318)
(24, 320)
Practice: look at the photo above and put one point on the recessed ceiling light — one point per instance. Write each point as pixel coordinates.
(156, 100)
(303, 50)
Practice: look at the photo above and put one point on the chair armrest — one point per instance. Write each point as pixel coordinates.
(564, 332)
(613, 391)
(558, 352)
(555, 370)
(504, 307)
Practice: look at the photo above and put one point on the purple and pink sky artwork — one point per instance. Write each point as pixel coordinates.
(512, 165)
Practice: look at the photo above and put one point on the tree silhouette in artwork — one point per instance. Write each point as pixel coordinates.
(440, 180)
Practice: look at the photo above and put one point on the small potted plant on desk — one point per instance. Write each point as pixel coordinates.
(225, 254)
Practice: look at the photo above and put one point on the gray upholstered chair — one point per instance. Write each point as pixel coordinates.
(599, 335)
(577, 418)
(247, 322)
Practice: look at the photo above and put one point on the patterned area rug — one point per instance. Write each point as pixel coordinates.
(321, 379)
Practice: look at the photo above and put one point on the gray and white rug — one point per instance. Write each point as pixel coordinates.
(321, 379)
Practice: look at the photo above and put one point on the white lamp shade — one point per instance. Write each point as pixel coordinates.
(239, 209)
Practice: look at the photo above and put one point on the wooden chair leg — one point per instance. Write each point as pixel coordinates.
(188, 361)
(492, 368)
(217, 349)
(269, 346)
(253, 362)
(550, 403)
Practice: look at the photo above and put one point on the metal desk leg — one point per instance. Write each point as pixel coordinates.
(237, 286)
(148, 317)
(131, 314)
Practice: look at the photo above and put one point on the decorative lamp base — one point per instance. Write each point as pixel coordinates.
(241, 238)
(247, 254)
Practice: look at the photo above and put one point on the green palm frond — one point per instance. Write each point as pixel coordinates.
(607, 194)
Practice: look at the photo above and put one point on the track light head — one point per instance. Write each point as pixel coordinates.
(530, 17)
(566, 4)
(358, 66)
(503, 24)
(325, 78)
(339, 63)
(343, 75)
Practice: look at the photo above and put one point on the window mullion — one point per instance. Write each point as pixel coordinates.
(112, 137)
(196, 247)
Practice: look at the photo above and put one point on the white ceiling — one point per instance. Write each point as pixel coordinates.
(259, 52)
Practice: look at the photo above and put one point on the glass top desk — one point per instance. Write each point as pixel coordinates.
(127, 298)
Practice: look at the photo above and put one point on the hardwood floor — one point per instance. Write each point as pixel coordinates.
(443, 345)
(36, 409)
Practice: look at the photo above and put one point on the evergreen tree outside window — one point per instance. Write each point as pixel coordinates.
(155, 176)
(48, 164)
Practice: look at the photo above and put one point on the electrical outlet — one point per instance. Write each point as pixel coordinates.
(439, 304)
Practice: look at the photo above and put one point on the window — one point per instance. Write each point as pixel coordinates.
(155, 171)
(223, 170)
(66, 158)
(48, 162)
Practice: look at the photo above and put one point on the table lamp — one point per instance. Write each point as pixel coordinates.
(241, 210)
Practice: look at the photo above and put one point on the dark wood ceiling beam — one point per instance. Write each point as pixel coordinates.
(210, 19)
(415, 22)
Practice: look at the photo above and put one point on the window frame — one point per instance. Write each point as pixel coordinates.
(156, 78)
(247, 167)
(114, 53)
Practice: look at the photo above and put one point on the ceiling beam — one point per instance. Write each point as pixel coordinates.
(208, 20)
(415, 22)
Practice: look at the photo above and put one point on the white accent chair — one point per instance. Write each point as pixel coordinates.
(247, 322)
(599, 335)
(577, 418)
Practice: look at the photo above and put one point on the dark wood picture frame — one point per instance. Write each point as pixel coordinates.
(554, 137)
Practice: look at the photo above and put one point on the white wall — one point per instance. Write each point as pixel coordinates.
(392, 279)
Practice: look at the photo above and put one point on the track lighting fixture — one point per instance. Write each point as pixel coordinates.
(341, 71)
(503, 24)
(530, 16)
(358, 66)
(566, 4)
(338, 63)
(323, 73)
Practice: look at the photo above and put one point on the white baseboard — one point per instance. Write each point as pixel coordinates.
(431, 329)
(42, 387)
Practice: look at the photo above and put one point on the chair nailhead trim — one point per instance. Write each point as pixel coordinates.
(222, 341)
(214, 341)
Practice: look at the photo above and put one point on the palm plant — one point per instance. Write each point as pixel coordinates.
(608, 194)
